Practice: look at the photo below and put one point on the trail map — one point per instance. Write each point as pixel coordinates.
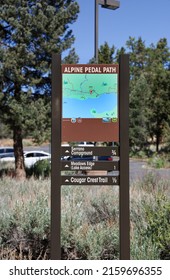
(90, 96)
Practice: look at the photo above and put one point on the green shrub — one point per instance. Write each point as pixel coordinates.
(103, 210)
(142, 248)
(89, 220)
(151, 226)
(41, 169)
(150, 218)
(158, 222)
(24, 219)
(153, 184)
(89, 223)
(158, 161)
(27, 229)
(7, 169)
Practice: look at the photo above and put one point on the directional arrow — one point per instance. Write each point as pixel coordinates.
(67, 152)
(67, 181)
(66, 166)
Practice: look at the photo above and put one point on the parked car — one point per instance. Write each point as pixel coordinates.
(6, 151)
(32, 157)
(86, 144)
(7, 157)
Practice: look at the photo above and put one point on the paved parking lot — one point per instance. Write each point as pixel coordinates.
(139, 169)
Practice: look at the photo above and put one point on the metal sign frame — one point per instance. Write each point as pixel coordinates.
(124, 212)
(83, 85)
(56, 153)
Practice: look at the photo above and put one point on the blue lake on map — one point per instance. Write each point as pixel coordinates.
(77, 108)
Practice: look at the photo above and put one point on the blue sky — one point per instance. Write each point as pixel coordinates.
(149, 19)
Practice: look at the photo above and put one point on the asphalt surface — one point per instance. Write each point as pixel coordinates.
(139, 170)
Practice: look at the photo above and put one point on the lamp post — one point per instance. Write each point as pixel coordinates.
(124, 214)
(108, 4)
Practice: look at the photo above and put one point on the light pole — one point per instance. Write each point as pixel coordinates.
(108, 4)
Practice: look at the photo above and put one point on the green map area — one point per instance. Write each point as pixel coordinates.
(90, 95)
(84, 86)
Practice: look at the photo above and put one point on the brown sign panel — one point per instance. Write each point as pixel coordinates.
(89, 151)
(90, 180)
(89, 165)
(90, 102)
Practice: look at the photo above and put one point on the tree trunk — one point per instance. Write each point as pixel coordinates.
(18, 152)
(158, 133)
(157, 142)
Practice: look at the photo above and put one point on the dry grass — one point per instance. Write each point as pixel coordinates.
(90, 219)
(24, 219)
(26, 142)
(6, 142)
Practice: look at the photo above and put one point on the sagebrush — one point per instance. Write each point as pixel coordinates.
(90, 220)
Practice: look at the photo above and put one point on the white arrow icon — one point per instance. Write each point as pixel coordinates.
(66, 181)
(67, 151)
(66, 166)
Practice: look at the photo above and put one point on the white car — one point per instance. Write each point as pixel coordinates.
(6, 150)
(30, 158)
(86, 144)
(8, 157)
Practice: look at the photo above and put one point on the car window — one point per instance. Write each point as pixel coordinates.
(9, 150)
(6, 150)
(30, 155)
(40, 155)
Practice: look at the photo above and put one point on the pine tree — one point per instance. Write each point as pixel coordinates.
(158, 76)
(30, 32)
(139, 114)
(105, 55)
(138, 56)
(153, 64)
(71, 58)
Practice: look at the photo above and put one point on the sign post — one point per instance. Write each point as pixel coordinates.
(90, 103)
(124, 229)
(55, 158)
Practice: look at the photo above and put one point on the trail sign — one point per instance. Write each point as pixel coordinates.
(89, 165)
(89, 151)
(90, 180)
(90, 102)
